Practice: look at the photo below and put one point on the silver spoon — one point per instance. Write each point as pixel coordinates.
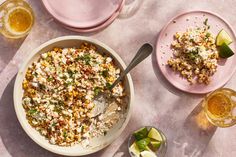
(100, 99)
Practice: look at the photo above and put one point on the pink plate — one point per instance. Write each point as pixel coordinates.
(82, 13)
(99, 27)
(180, 23)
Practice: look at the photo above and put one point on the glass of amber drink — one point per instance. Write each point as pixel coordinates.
(16, 18)
(220, 107)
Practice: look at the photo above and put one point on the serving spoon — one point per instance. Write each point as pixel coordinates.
(100, 99)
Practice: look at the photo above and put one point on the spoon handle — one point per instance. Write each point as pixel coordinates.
(142, 53)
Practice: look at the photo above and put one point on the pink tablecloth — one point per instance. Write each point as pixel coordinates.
(156, 102)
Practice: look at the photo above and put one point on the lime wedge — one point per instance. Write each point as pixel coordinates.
(148, 154)
(154, 134)
(134, 150)
(223, 37)
(141, 133)
(143, 144)
(156, 144)
(225, 51)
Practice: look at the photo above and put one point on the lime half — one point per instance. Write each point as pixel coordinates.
(148, 154)
(143, 144)
(154, 134)
(223, 37)
(134, 150)
(225, 51)
(141, 133)
(156, 144)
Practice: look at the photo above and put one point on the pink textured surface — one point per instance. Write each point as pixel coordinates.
(180, 24)
(156, 101)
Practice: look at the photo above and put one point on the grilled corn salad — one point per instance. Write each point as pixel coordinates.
(195, 55)
(58, 94)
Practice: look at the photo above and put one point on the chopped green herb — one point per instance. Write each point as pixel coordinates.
(108, 85)
(57, 109)
(48, 59)
(61, 103)
(78, 58)
(96, 90)
(69, 83)
(82, 128)
(87, 58)
(70, 72)
(41, 86)
(32, 111)
(191, 56)
(206, 22)
(49, 78)
(32, 101)
(191, 40)
(53, 124)
(64, 77)
(35, 74)
(64, 134)
(208, 35)
(105, 73)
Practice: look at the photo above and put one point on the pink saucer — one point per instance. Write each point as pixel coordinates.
(181, 22)
(99, 27)
(82, 13)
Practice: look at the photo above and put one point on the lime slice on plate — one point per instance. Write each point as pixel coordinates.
(148, 154)
(154, 134)
(134, 150)
(143, 144)
(225, 51)
(223, 37)
(156, 144)
(141, 133)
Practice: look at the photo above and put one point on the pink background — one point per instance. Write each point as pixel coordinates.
(156, 101)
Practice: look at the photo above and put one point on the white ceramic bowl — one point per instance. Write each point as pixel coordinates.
(96, 143)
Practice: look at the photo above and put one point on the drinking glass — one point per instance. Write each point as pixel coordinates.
(16, 18)
(220, 107)
(130, 8)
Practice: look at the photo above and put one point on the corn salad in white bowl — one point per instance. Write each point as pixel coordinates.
(54, 91)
